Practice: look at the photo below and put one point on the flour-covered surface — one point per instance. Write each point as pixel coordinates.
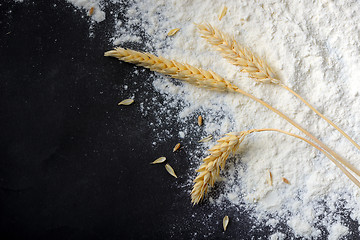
(314, 48)
(93, 8)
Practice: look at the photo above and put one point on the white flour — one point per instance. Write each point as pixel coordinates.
(314, 47)
(97, 14)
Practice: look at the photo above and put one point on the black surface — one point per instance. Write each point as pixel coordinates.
(74, 165)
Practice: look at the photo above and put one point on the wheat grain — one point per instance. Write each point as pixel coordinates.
(200, 120)
(159, 160)
(173, 32)
(126, 102)
(91, 11)
(285, 180)
(170, 170)
(177, 146)
(238, 55)
(225, 222)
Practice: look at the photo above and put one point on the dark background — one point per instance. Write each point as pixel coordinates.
(74, 165)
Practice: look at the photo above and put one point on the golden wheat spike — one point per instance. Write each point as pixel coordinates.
(238, 55)
(196, 76)
(209, 170)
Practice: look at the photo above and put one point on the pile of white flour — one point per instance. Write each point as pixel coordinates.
(314, 47)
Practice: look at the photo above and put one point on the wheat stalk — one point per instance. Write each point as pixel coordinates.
(206, 79)
(209, 170)
(257, 68)
(320, 114)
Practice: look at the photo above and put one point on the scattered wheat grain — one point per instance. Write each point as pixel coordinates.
(126, 102)
(200, 120)
(159, 160)
(91, 11)
(172, 32)
(225, 222)
(177, 146)
(285, 180)
(170, 170)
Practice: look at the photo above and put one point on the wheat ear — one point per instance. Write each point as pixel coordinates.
(196, 76)
(205, 79)
(209, 170)
(257, 68)
(238, 55)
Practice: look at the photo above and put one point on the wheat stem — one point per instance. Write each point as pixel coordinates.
(260, 71)
(346, 172)
(209, 170)
(325, 147)
(205, 79)
(320, 114)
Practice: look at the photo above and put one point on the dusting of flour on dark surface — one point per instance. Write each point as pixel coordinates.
(309, 49)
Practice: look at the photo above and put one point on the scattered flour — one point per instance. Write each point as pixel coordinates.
(277, 236)
(98, 15)
(337, 231)
(314, 47)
